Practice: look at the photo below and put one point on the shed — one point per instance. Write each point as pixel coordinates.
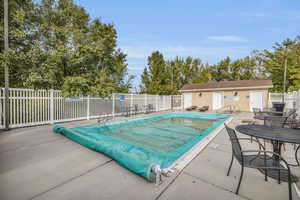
(242, 95)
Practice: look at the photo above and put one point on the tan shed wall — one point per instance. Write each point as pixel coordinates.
(204, 100)
(241, 105)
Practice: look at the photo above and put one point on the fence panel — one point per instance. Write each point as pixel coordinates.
(100, 107)
(139, 101)
(177, 102)
(2, 108)
(30, 107)
(291, 99)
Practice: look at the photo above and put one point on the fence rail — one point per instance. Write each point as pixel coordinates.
(29, 107)
(291, 99)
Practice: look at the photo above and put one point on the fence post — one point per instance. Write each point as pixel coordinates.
(145, 103)
(156, 103)
(51, 106)
(164, 102)
(88, 107)
(113, 105)
(182, 102)
(6, 109)
(131, 100)
(297, 99)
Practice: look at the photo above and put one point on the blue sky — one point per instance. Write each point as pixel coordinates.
(209, 30)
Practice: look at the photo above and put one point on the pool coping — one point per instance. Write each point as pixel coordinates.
(177, 165)
(188, 156)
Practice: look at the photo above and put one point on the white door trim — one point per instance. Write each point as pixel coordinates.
(187, 99)
(261, 99)
(222, 100)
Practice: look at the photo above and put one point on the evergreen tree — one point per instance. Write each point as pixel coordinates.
(220, 71)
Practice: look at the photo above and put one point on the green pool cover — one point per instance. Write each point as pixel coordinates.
(140, 144)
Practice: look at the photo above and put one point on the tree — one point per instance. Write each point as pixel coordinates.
(273, 62)
(22, 20)
(167, 77)
(155, 79)
(56, 45)
(220, 71)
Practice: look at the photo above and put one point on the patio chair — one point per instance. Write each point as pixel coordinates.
(291, 115)
(274, 121)
(258, 114)
(135, 109)
(191, 108)
(104, 118)
(256, 159)
(203, 108)
(149, 108)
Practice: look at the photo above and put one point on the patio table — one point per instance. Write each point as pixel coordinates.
(263, 114)
(278, 136)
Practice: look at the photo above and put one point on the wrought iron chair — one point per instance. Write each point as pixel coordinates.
(104, 118)
(275, 121)
(135, 109)
(291, 115)
(258, 114)
(280, 122)
(257, 159)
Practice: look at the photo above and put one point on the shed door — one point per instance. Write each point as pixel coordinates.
(187, 100)
(256, 99)
(217, 100)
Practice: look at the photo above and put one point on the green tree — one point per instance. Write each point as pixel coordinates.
(155, 79)
(220, 71)
(54, 44)
(22, 20)
(273, 62)
(167, 77)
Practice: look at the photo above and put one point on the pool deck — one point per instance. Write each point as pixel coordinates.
(36, 163)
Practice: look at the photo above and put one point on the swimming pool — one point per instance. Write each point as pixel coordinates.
(150, 145)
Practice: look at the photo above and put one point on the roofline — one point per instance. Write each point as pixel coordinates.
(229, 88)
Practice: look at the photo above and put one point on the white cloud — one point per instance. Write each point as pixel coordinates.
(227, 38)
(280, 15)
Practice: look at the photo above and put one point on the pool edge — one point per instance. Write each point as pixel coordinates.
(188, 156)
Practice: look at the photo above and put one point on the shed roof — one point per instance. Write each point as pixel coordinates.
(241, 84)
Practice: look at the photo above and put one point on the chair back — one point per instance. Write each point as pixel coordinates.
(136, 107)
(291, 113)
(256, 111)
(235, 144)
(275, 121)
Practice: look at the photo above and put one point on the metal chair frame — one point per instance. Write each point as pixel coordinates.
(242, 158)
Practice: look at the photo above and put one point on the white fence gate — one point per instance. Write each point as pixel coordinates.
(291, 99)
(29, 107)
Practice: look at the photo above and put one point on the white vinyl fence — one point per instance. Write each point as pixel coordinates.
(29, 107)
(291, 99)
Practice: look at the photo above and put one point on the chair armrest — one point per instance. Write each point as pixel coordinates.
(253, 139)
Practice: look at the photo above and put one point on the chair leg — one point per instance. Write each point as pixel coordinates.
(296, 155)
(279, 178)
(289, 185)
(241, 176)
(230, 165)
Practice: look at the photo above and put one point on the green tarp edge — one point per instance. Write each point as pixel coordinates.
(137, 159)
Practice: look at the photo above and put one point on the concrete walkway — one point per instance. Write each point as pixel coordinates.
(36, 163)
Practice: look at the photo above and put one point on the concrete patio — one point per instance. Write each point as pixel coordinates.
(36, 163)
